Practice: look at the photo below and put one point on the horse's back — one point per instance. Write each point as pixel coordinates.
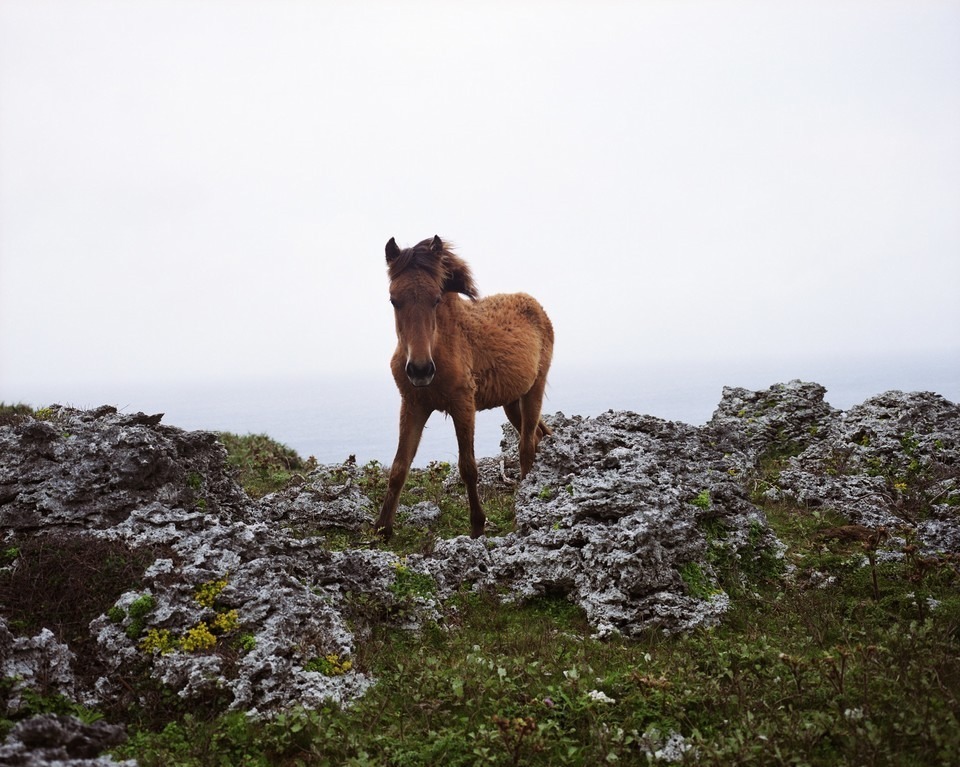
(517, 311)
(512, 346)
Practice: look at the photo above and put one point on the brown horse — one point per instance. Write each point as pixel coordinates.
(460, 356)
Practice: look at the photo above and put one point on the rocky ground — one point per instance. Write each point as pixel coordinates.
(245, 603)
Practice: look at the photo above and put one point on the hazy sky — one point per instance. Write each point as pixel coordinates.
(201, 190)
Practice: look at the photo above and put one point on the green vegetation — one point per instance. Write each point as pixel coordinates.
(14, 413)
(430, 484)
(546, 493)
(696, 580)
(409, 584)
(329, 665)
(204, 636)
(262, 465)
(33, 703)
(138, 611)
(207, 593)
(702, 501)
(15, 409)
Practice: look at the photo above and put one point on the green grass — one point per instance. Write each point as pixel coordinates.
(18, 408)
(261, 464)
(429, 484)
(13, 413)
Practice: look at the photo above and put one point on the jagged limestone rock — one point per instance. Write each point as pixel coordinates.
(126, 478)
(625, 514)
(51, 739)
(892, 462)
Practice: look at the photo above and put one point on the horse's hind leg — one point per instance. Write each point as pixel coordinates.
(412, 421)
(532, 429)
(543, 430)
(512, 409)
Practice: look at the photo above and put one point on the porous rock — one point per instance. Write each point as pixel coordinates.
(332, 497)
(892, 462)
(781, 420)
(48, 740)
(90, 469)
(624, 513)
(421, 514)
(37, 662)
(273, 592)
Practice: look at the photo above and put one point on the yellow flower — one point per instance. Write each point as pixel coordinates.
(198, 638)
(157, 640)
(208, 592)
(228, 621)
(329, 665)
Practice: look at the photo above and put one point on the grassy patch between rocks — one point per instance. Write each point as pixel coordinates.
(261, 464)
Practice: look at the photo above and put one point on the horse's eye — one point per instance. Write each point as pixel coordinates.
(395, 303)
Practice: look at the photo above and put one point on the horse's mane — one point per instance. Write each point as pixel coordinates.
(437, 259)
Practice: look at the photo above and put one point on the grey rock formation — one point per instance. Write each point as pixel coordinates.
(891, 462)
(91, 469)
(243, 603)
(61, 740)
(625, 514)
(773, 422)
(332, 499)
(38, 662)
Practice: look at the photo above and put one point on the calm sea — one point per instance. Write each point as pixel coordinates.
(333, 418)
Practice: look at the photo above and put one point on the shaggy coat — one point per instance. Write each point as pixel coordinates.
(459, 355)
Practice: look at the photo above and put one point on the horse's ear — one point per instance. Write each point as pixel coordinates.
(392, 250)
(437, 245)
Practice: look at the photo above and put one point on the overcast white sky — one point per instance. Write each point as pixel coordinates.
(194, 190)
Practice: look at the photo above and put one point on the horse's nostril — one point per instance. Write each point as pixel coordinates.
(423, 371)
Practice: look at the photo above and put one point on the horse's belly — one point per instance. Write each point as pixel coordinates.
(503, 383)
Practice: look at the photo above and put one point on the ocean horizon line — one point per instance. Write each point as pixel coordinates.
(332, 418)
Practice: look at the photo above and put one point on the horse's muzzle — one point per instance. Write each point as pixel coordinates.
(421, 374)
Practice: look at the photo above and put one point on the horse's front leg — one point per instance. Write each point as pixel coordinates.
(463, 421)
(412, 420)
